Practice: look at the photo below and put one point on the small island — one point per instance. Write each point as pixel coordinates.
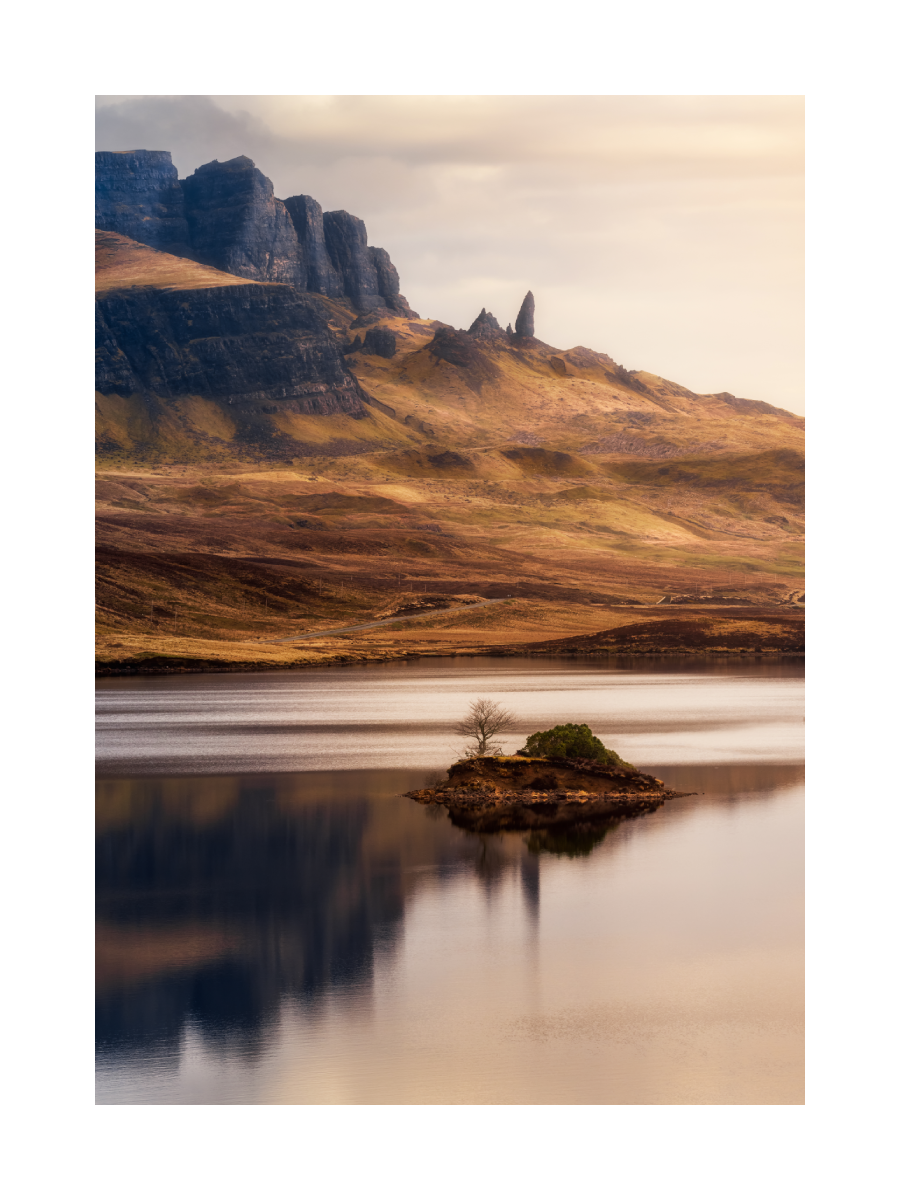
(564, 778)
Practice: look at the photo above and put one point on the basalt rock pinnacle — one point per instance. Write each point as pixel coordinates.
(485, 325)
(525, 319)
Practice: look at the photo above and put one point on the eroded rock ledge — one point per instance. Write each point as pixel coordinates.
(488, 795)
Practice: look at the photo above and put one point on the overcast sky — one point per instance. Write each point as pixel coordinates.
(665, 231)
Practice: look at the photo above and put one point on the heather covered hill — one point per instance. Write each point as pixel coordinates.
(310, 451)
(484, 384)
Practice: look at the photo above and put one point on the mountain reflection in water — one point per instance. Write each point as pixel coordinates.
(221, 898)
(278, 924)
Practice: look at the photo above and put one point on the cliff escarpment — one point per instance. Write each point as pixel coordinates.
(259, 353)
(244, 346)
(309, 225)
(236, 224)
(226, 215)
(137, 194)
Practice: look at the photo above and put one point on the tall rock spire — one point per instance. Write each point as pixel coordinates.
(525, 319)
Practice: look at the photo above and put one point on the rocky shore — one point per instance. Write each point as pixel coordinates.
(489, 795)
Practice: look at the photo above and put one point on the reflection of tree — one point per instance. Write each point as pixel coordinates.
(573, 843)
(530, 875)
(490, 858)
(219, 898)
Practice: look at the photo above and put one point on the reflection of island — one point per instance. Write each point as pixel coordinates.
(219, 898)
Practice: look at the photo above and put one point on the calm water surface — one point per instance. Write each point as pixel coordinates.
(277, 924)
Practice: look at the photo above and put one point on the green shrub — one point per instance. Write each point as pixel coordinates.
(571, 741)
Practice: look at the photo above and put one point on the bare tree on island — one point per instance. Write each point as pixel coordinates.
(484, 720)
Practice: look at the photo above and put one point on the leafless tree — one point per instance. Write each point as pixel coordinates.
(484, 720)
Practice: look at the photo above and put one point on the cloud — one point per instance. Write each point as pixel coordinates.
(667, 231)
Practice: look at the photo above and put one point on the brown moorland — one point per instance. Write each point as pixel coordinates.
(590, 502)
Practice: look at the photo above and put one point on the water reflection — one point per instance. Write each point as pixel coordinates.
(276, 923)
(217, 899)
(221, 899)
(573, 843)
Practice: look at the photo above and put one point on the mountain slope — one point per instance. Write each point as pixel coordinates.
(275, 461)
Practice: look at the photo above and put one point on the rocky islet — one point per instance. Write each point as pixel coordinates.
(491, 794)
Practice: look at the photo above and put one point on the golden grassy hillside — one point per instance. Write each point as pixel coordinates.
(120, 262)
(216, 567)
(587, 495)
(512, 394)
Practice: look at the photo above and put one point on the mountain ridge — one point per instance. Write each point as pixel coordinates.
(225, 215)
(270, 452)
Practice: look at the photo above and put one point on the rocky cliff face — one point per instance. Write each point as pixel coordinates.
(389, 282)
(462, 350)
(260, 350)
(380, 341)
(227, 216)
(307, 217)
(345, 237)
(137, 194)
(237, 225)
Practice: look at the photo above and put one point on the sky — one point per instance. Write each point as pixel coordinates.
(665, 231)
